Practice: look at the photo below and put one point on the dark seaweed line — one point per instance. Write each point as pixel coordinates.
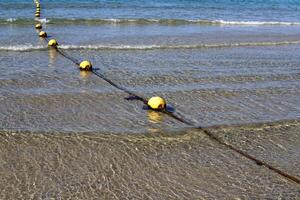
(185, 121)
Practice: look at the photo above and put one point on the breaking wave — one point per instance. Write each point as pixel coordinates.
(25, 47)
(31, 47)
(153, 47)
(148, 21)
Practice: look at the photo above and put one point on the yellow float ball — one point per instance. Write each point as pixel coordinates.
(38, 5)
(38, 26)
(157, 103)
(37, 14)
(52, 43)
(43, 34)
(85, 65)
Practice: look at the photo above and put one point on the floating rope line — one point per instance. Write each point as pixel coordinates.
(164, 110)
(130, 93)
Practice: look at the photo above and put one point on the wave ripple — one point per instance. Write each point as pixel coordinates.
(31, 47)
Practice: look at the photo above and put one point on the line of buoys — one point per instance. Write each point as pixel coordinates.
(39, 26)
(38, 9)
(38, 14)
(159, 104)
(154, 103)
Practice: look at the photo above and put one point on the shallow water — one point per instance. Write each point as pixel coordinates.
(66, 133)
(42, 91)
(210, 73)
(180, 165)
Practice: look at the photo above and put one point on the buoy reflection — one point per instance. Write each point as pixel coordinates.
(52, 56)
(84, 74)
(155, 117)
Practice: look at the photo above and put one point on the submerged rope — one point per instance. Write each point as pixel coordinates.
(182, 120)
(76, 62)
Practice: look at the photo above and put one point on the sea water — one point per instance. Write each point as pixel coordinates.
(67, 133)
(216, 62)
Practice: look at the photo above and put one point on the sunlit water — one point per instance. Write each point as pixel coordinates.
(66, 132)
(42, 91)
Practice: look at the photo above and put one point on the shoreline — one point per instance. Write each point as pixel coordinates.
(162, 132)
(183, 166)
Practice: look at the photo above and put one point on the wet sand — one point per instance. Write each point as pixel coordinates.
(161, 165)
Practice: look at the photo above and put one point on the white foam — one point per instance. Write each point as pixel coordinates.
(113, 20)
(152, 47)
(43, 21)
(112, 47)
(11, 20)
(255, 23)
(25, 47)
(30, 47)
(163, 21)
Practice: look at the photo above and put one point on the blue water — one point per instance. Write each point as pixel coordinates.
(226, 10)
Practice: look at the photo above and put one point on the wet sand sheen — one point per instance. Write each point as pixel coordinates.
(173, 165)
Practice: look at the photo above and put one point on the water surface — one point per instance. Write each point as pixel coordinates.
(69, 134)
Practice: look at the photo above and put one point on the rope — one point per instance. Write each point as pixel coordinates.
(185, 121)
(130, 93)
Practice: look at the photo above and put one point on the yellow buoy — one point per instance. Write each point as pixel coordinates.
(157, 103)
(43, 34)
(37, 14)
(38, 26)
(38, 5)
(38, 10)
(52, 43)
(85, 65)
